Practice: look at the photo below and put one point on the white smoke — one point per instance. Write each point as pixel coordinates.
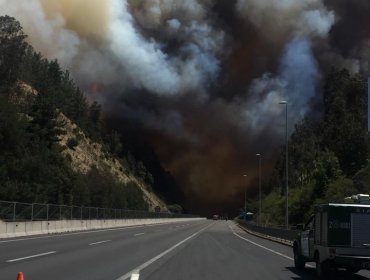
(295, 84)
(300, 23)
(47, 36)
(148, 67)
(112, 49)
(315, 23)
(200, 43)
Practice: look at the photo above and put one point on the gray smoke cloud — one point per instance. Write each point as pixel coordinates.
(277, 20)
(203, 76)
(296, 84)
(114, 50)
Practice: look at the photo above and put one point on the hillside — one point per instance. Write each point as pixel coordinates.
(86, 154)
(53, 144)
(328, 156)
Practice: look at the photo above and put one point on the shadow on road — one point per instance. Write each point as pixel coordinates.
(309, 273)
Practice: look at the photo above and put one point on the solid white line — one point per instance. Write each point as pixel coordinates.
(135, 276)
(261, 246)
(30, 257)
(138, 234)
(99, 242)
(149, 262)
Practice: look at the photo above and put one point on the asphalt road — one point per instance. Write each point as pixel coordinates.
(191, 250)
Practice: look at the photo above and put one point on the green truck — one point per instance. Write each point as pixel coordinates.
(336, 236)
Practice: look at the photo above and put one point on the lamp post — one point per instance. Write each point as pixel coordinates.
(286, 164)
(260, 192)
(245, 196)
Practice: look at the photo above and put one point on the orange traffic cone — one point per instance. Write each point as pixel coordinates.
(20, 276)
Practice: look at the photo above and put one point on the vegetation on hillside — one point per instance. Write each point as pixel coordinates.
(328, 158)
(32, 167)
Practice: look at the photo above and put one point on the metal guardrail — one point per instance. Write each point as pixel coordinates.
(286, 234)
(17, 211)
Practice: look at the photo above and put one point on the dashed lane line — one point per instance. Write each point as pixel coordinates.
(149, 262)
(30, 257)
(99, 242)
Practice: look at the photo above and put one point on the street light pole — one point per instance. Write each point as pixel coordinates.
(260, 192)
(245, 196)
(286, 164)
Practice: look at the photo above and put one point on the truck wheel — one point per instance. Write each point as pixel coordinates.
(299, 262)
(322, 268)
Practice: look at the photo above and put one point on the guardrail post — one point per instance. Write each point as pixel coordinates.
(81, 212)
(60, 212)
(32, 212)
(14, 211)
(71, 212)
(47, 212)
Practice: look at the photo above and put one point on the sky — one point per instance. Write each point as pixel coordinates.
(202, 79)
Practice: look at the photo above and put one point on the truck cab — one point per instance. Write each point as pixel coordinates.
(336, 236)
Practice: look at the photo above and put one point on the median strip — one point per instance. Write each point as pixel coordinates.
(99, 242)
(30, 257)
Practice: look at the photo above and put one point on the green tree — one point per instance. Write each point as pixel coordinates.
(12, 49)
(44, 119)
(345, 120)
(361, 180)
(339, 189)
(303, 150)
(326, 170)
(135, 200)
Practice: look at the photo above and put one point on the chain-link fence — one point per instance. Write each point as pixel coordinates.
(16, 211)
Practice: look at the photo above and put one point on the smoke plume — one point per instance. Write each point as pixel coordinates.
(202, 79)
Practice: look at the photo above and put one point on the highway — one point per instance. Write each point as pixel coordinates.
(187, 250)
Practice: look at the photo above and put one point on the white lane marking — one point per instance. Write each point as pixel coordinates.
(81, 232)
(263, 247)
(135, 276)
(30, 257)
(149, 262)
(138, 234)
(99, 242)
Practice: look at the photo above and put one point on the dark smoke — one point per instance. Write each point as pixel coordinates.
(200, 80)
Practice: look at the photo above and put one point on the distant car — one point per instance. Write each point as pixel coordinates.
(216, 217)
(336, 236)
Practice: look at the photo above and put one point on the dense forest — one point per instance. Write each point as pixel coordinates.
(328, 156)
(32, 168)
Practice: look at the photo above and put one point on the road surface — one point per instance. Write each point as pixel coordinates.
(188, 250)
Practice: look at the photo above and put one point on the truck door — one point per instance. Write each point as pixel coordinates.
(307, 238)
